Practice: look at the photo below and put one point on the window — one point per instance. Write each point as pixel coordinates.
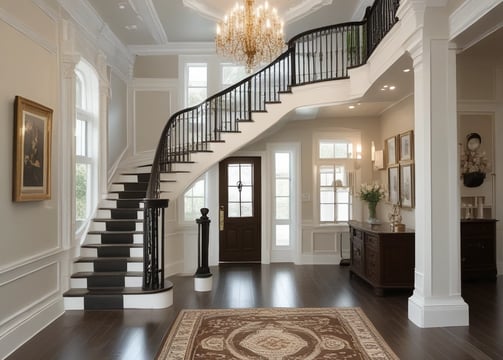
(335, 199)
(197, 83)
(334, 158)
(194, 200)
(282, 198)
(86, 106)
(336, 149)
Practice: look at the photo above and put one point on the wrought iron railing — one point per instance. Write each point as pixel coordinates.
(317, 55)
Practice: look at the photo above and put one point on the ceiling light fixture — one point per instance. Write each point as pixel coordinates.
(406, 70)
(351, 107)
(250, 35)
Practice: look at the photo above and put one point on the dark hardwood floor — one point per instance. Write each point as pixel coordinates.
(137, 334)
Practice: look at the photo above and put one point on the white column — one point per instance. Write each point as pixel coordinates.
(436, 300)
(104, 97)
(66, 136)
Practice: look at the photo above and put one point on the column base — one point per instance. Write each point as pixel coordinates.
(203, 284)
(438, 311)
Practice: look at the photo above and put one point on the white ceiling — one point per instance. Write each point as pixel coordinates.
(159, 26)
(142, 23)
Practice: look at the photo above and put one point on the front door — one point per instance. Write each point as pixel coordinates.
(239, 218)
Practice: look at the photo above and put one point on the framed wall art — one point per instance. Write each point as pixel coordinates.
(407, 185)
(391, 148)
(32, 151)
(407, 146)
(394, 184)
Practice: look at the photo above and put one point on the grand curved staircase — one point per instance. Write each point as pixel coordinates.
(121, 263)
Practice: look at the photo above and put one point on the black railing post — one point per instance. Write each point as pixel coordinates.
(153, 246)
(202, 277)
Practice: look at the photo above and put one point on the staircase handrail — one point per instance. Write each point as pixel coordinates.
(321, 54)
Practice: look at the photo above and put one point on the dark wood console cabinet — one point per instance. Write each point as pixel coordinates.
(383, 258)
(478, 249)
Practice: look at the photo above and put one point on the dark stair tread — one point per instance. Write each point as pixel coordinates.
(116, 291)
(135, 199)
(112, 245)
(104, 259)
(130, 182)
(245, 121)
(87, 274)
(135, 173)
(273, 102)
(230, 131)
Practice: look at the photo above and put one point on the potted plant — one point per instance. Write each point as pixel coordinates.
(372, 194)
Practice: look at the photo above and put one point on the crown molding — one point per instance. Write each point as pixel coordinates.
(360, 10)
(146, 10)
(174, 48)
(92, 26)
(303, 9)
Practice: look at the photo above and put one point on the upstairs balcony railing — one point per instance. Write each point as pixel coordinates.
(316, 55)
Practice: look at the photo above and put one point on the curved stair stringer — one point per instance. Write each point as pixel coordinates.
(317, 94)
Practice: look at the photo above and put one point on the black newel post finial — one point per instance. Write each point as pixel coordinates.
(203, 223)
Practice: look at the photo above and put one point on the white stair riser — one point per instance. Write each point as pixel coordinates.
(160, 300)
(101, 226)
(129, 281)
(113, 203)
(74, 303)
(89, 266)
(149, 301)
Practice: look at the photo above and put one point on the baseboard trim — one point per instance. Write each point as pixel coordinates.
(12, 338)
(438, 312)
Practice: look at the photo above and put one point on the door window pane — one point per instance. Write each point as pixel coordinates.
(240, 190)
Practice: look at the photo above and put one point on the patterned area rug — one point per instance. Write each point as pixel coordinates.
(276, 333)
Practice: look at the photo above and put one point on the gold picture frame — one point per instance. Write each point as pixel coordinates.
(391, 151)
(406, 143)
(32, 151)
(407, 195)
(393, 184)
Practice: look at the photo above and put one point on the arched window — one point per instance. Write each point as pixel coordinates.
(86, 137)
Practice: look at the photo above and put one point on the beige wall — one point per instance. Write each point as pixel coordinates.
(29, 268)
(152, 111)
(394, 121)
(156, 66)
(117, 120)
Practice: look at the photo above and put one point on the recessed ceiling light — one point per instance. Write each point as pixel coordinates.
(121, 5)
(351, 107)
(392, 87)
(131, 27)
(406, 70)
(385, 86)
(383, 89)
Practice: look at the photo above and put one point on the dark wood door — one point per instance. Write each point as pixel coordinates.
(239, 217)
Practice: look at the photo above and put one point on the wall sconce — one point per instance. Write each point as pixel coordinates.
(358, 151)
(378, 160)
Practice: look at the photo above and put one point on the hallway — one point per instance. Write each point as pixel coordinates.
(137, 334)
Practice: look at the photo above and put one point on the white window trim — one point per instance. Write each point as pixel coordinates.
(337, 134)
(181, 201)
(292, 252)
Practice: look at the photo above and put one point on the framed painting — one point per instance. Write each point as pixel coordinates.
(32, 151)
(390, 147)
(393, 184)
(407, 146)
(407, 185)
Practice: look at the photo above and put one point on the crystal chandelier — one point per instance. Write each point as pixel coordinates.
(250, 35)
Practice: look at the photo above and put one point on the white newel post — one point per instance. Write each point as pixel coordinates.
(436, 300)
